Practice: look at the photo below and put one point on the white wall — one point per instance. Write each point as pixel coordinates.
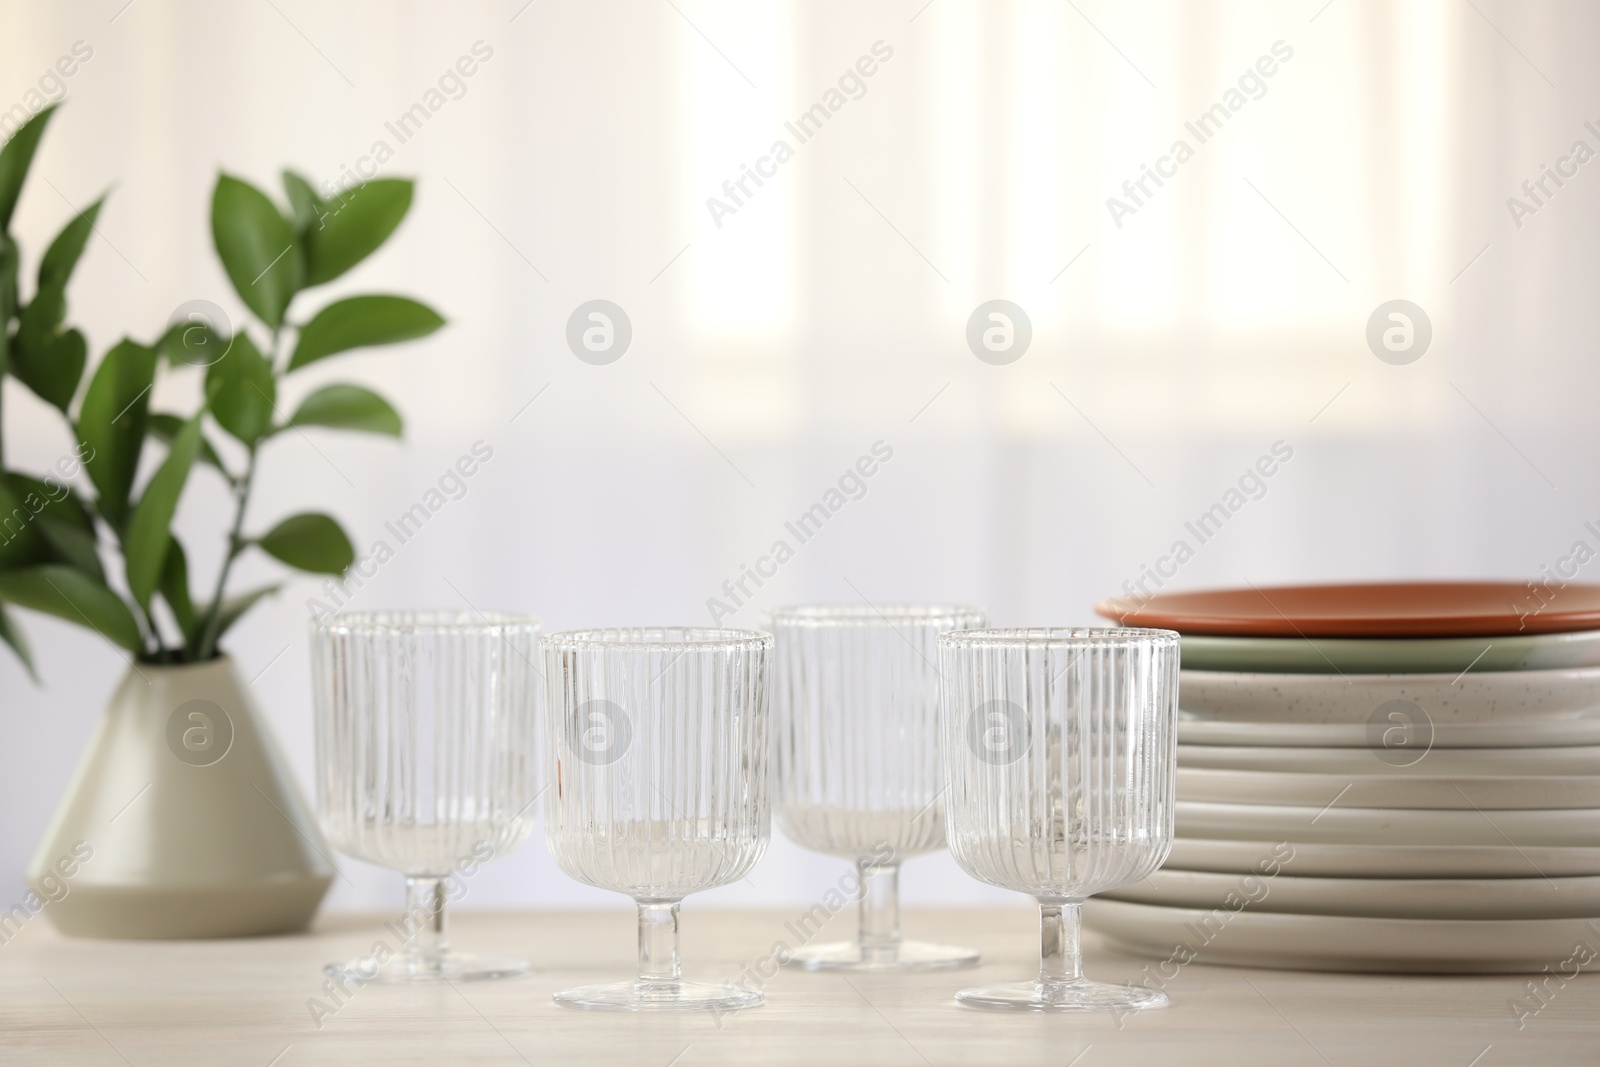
(829, 311)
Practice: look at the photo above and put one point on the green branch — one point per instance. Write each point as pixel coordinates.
(270, 258)
(207, 646)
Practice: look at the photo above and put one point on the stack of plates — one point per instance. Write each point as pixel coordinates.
(1379, 777)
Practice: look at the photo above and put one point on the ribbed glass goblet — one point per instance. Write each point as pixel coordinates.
(426, 763)
(855, 706)
(1060, 751)
(658, 748)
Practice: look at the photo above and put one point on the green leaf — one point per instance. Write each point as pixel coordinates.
(70, 594)
(257, 247)
(10, 264)
(309, 542)
(175, 591)
(59, 499)
(353, 225)
(21, 542)
(241, 391)
(72, 546)
(61, 258)
(112, 421)
(67, 357)
(192, 344)
(44, 359)
(44, 313)
(165, 427)
(235, 606)
(149, 530)
(15, 159)
(10, 271)
(44, 523)
(49, 363)
(348, 407)
(13, 636)
(303, 201)
(360, 321)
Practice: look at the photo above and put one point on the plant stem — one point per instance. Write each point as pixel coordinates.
(207, 646)
(147, 617)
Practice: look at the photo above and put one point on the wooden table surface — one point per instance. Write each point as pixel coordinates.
(174, 1004)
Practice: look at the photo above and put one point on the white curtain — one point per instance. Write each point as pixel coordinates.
(1367, 154)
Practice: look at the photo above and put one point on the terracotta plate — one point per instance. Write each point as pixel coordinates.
(1372, 609)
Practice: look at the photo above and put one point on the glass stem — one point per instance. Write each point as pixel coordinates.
(880, 909)
(425, 917)
(1060, 954)
(658, 942)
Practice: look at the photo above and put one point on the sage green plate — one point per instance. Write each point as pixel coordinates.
(1391, 655)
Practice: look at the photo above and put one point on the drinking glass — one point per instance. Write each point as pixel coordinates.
(855, 706)
(1060, 751)
(426, 763)
(657, 742)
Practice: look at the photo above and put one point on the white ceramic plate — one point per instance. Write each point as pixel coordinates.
(1383, 898)
(1389, 790)
(1504, 697)
(1391, 655)
(1334, 824)
(1324, 860)
(1340, 943)
(1377, 736)
(1443, 762)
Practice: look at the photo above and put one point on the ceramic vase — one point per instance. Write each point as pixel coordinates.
(182, 819)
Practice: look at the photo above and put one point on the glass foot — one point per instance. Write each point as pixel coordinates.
(447, 968)
(675, 995)
(906, 956)
(1082, 995)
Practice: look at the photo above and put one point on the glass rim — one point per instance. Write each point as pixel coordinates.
(394, 622)
(656, 638)
(1061, 637)
(870, 614)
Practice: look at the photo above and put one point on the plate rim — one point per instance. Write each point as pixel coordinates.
(1390, 655)
(1259, 623)
(1354, 735)
(1282, 918)
(1391, 857)
(1360, 786)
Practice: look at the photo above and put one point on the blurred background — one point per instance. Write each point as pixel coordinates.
(1177, 336)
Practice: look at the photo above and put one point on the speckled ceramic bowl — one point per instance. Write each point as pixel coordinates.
(1501, 698)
